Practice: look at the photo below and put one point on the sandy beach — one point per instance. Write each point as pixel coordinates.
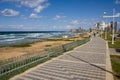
(11, 52)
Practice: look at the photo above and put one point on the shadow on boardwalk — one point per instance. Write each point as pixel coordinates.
(94, 65)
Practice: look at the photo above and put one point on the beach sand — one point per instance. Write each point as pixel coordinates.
(11, 52)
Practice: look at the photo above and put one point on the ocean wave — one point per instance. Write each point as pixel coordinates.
(39, 35)
(11, 40)
(21, 37)
(7, 36)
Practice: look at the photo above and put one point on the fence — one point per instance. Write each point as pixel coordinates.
(22, 63)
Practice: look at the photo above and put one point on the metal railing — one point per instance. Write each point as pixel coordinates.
(30, 59)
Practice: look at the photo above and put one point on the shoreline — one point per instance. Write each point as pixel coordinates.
(15, 51)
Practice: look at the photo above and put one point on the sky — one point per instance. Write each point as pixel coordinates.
(54, 15)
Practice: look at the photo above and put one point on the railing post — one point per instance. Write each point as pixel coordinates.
(63, 48)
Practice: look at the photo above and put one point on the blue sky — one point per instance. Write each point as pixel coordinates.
(45, 15)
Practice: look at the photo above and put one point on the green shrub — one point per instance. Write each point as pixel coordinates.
(115, 60)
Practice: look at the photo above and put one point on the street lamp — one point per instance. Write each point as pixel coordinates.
(113, 27)
(105, 26)
(113, 16)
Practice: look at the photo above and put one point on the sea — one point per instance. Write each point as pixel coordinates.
(16, 37)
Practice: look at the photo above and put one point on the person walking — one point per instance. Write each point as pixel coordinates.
(94, 34)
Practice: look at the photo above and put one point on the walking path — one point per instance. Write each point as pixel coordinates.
(87, 62)
(114, 51)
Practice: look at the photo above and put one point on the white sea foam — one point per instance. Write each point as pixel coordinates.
(11, 40)
(39, 35)
(20, 37)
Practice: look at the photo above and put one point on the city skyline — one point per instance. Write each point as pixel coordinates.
(54, 15)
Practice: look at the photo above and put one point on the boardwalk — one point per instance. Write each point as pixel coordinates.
(87, 62)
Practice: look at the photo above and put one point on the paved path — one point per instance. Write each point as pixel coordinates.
(87, 62)
(114, 51)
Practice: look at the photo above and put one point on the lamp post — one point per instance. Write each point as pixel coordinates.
(113, 30)
(113, 17)
(105, 26)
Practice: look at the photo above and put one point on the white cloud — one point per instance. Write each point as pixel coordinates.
(40, 8)
(75, 22)
(117, 2)
(9, 12)
(64, 27)
(31, 3)
(36, 5)
(32, 15)
(20, 27)
(28, 3)
(12, 26)
(58, 17)
(68, 26)
(87, 23)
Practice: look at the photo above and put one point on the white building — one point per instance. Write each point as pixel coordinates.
(102, 25)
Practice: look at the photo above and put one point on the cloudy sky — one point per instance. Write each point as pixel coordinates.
(45, 15)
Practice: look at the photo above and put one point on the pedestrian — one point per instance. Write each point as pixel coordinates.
(94, 34)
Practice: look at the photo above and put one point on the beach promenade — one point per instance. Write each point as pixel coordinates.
(90, 61)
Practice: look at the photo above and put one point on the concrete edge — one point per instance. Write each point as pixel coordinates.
(109, 76)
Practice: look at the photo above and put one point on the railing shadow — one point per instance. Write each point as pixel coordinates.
(116, 75)
(117, 50)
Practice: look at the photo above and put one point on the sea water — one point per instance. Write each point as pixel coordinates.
(10, 38)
